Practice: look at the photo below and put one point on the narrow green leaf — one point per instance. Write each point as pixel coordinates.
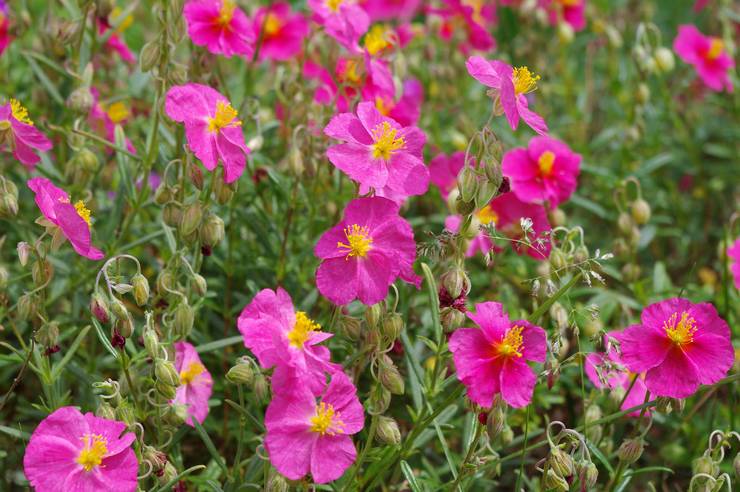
(209, 446)
(18, 434)
(409, 474)
(218, 344)
(69, 353)
(184, 473)
(600, 456)
(48, 84)
(648, 469)
(104, 339)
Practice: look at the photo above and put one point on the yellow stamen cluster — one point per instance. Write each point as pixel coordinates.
(225, 117)
(117, 112)
(570, 3)
(511, 344)
(83, 211)
(376, 39)
(273, 24)
(326, 421)
(386, 141)
(680, 331)
(350, 74)
(716, 46)
(226, 13)
(524, 80)
(334, 5)
(358, 239)
(383, 106)
(95, 447)
(19, 112)
(125, 23)
(487, 215)
(302, 329)
(545, 162)
(194, 370)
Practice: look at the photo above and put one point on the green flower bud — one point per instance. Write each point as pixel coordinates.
(379, 400)
(165, 390)
(81, 100)
(560, 462)
(241, 373)
(183, 320)
(24, 250)
(553, 481)
(118, 308)
(580, 255)
(165, 372)
(191, 218)
(454, 281)
(157, 458)
(99, 308)
(640, 211)
(452, 200)
(163, 194)
(736, 465)
(224, 192)
(389, 376)
(168, 473)
(373, 314)
(495, 422)
(631, 272)
(172, 214)
(558, 260)
(105, 411)
(705, 464)
(565, 33)
(176, 415)
(41, 271)
(212, 230)
(141, 289)
(48, 334)
(643, 93)
(166, 281)
(196, 176)
(350, 327)
(149, 56)
(507, 435)
(26, 307)
(200, 286)
(625, 223)
(388, 432)
(588, 474)
(4, 276)
(261, 388)
(664, 60)
(631, 450)
(276, 483)
(468, 184)
(557, 217)
(8, 205)
(125, 413)
(463, 207)
(151, 343)
(392, 326)
(451, 319)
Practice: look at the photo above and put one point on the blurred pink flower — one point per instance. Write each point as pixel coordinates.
(679, 345)
(365, 253)
(493, 358)
(407, 109)
(116, 41)
(708, 55)
(305, 435)
(71, 451)
(343, 20)
(212, 127)
(286, 339)
(546, 171)
(18, 134)
(733, 252)
(378, 152)
(72, 220)
(573, 12)
(507, 212)
(509, 88)
(104, 121)
(443, 170)
(481, 242)
(4, 25)
(608, 371)
(220, 26)
(284, 31)
(473, 17)
(700, 4)
(196, 383)
(391, 10)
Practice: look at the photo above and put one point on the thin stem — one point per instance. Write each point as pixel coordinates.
(471, 448)
(526, 437)
(366, 448)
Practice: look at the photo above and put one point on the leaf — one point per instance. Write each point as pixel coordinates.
(209, 446)
(409, 474)
(48, 84)
(18, 434)
(661, 280)
(648, 469)
(218, 344)
(600, 456)
(171, 483)
(69, 353)
(104, 339)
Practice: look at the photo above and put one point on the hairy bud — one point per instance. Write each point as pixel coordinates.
(495, 422)
(388, 432)
(261, 388)
(705, 464)
(141, 289)
(183, 320)
(640, 211)
(379, 400)
(553, 481)
(165, 371)
(389, 376)
(26, 307)
(48, 334)
(166, 391)
(212, 230)
(151, 343)
(664, 60)
(560, 462)
(350, 327)
(392, 326)
(373, 314)
(149, 55)
(241, 373)
(81, 100)
(631, 450)
(191, 218)
(105, 411)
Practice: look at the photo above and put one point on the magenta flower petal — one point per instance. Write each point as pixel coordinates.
(196, 383)
(517, 383)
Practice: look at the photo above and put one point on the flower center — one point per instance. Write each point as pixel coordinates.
(19, 112)
(302, 329)
(511, 344)
(524, 80)
(273, 25)
(383, 105)
(376, 41)
(487, 215)
(226, 13)
(570, 3)
(348, 73)
(386, 142)
(225, 117)
(83, 211)
(326, 421)
(680, 331)
(94, 450)
(359, 241)
(125, 23)
(334, 5)
(715, 49)
(194, 370)
(117, 112)
(545, 162)
(477, 6)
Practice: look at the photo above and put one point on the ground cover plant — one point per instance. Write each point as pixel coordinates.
(369, 245)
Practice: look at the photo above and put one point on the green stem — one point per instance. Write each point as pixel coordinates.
(365, 449)
(471, 448)
(535, 316)
(526, 437)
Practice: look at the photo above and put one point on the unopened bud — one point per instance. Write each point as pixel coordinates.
(454, 281)
(191, 218)
(8, 205)
(468, 184)
(558, 260)
(163, 194)
(26, 307)
(41, 271)
(196, 175)
(276, 483)
(81, 100)
(183, 320)
(389, 377)
(212, 230)
(24, 250)
(241, 373)
(631, 272)
(105, 411)
(166, 391)
(200, 286)
(141, 289)
(495, 422)
(588, 474)
(168, 473)
(99, 308)
(157, 458)
(149, 55)
(295, 161)
(643, 93)
(172, 214)
(392, 326)
(373, 314)
(705, 464)
(631, 450)
(48, 334)
(557, 217)
(124, 327)
(560, 462)
(565, 33)
(736, 465)
(507, 435)
(388, 432)
(664, 60)
(380, 399)
(350, 327)
(625, 223)
(640, 211)
(451, 319)
(165, 371)
(580, 255)
(463, 207)
(224, 191)
(553, 481)
(261, 388)
(125, 413)
(118, 308)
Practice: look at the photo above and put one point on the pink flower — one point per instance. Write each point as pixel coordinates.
(284, 31)
(365, 253)
(281, 337)
(481, 242)
(444, 169)
(509, 88)
(212, 127)
(4, 24)
(493, 358)
(708, 55)
(733, 252)
(104, 121)
(220, 26)
(474, 18)
(569, 11)
(18, 134)
(546, 171)
(407, 109)
(387, 10)
(608, 371)
(72, 220)
(115, 41)
(378, 151)
(679, 345)
(71, 451)
(700, 4)
(344, 20)
(305, 435)
(196, 383)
